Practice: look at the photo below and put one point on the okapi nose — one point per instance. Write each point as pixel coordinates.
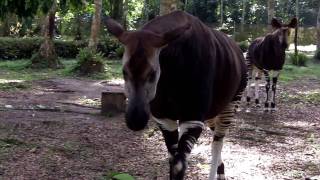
(136, 118)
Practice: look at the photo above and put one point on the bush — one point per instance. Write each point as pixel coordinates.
(244, 45)
(89, 62)
(24, 48)
(317, 55)
(299, 60)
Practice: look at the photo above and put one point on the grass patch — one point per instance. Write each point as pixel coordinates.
(17, 71)
(312, 97)
(291, 72)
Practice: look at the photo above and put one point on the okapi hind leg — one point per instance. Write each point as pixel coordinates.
(256, 87)
(219, 125)
(249, 81)
(274, 87)
(267, 78)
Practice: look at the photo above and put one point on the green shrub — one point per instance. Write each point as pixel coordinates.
(24, 48)
(89, 62)
(244, 45)
(317, 55)
(299, 60)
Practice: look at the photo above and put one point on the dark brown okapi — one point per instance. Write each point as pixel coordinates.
(267, 54)
(183, 73)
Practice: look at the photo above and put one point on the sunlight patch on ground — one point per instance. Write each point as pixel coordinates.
(87, 101)
(308, 48)
(4, 81)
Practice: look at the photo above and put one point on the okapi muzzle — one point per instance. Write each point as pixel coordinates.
(137, 113)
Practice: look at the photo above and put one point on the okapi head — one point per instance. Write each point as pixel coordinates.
(141, 68)
(282, 31)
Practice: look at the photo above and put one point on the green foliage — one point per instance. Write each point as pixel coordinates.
(18, 71)
(317, 55)
(20, 48)
(89, 63)
(119, 176)
(299, 60)
(292, 72)
(244, 45)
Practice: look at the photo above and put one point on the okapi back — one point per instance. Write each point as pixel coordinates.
(267, 52)
(201, 72)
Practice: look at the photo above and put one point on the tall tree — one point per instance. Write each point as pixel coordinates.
(271, 4)
(95, 26)
(318, 29)
(243, 14)
(167, 6)
(296, 30)
(47, 57)
(221, 12)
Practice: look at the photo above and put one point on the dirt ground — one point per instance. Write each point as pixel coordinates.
(54, 131)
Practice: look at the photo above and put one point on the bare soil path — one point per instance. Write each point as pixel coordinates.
(54, 131)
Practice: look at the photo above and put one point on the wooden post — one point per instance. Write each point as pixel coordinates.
(112, 102)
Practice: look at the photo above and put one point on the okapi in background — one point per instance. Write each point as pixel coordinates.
(183, 73)
(267, 54)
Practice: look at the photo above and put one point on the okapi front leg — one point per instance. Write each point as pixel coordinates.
(273, 88)
(169, 129)
(188, 136)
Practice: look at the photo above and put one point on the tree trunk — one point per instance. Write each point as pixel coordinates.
(221, 12)
(78, 36)
(117, 9)
(296, 30)
(167, 6)
(47, 57)
(95, 26)
(243, 15)
(270, 13)
(125, 14)
(318, 30)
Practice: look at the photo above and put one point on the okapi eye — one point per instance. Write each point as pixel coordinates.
(152, 76)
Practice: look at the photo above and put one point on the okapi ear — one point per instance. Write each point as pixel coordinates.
(275, 23)
(293, 23)
(116, 29)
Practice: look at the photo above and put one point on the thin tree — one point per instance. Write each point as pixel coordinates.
(270, 13)
(167, 6)
(243, 14)
(318, 29)
(221, 12)
(296, 31)
(47, 57)
(95, 26)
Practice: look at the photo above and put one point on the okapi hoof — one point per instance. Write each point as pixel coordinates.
(273, 107)
(266, 107)
(220, 172)
(257, 103)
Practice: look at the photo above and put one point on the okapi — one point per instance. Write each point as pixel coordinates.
(267, 54)
(184, 74)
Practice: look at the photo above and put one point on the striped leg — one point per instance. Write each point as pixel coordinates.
(189, 132)
(274, 86)
(256, 87)
(170, 133)
(248, 89)
(220, 126)
(267, 77)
